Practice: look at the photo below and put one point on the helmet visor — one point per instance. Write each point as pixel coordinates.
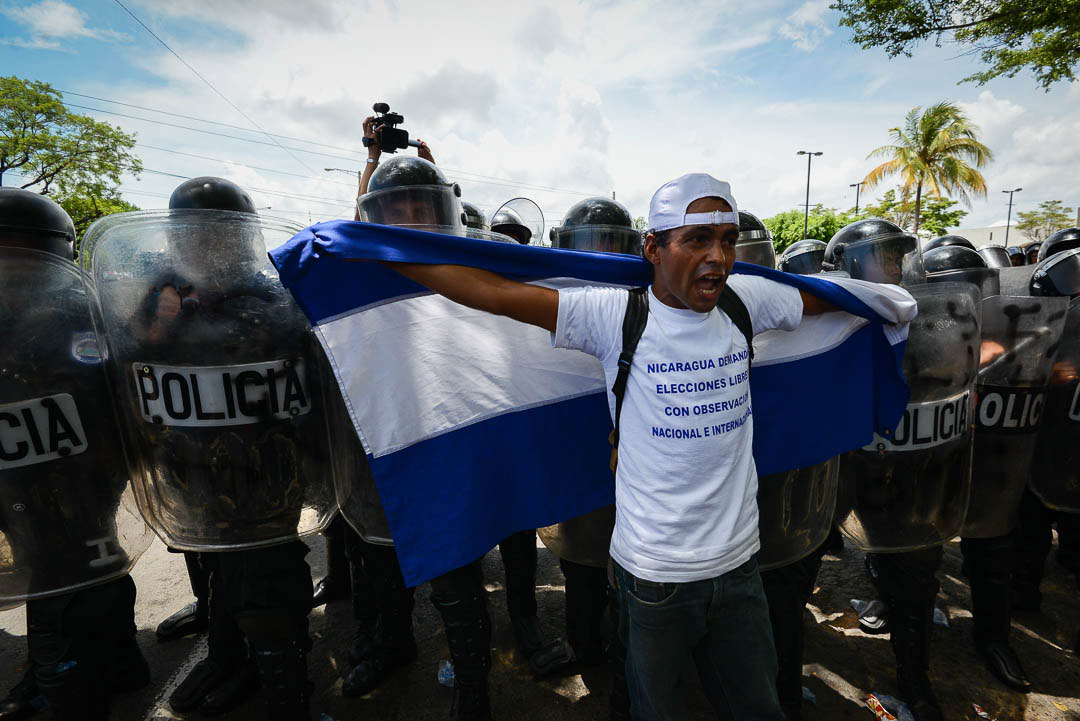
(985, 278)
(807, 262)
(599, 238)
(1061, 277)
(412, 206)
(895, 260)
(757, 252)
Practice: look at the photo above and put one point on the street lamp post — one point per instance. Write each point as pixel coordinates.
(1009, 221)
(806, 216)
(858, 186)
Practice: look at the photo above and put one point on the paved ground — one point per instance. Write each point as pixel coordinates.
(842, 664)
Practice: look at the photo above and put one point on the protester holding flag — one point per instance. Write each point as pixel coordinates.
(686, 526)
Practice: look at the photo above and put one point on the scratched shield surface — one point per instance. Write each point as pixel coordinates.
(68, 518)
(218, 375)
(910, 489)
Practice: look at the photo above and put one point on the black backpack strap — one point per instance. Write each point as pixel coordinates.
(732, 304)
(637, 315)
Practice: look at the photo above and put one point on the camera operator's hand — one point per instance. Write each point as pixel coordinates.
(373, 151)
(425, 152)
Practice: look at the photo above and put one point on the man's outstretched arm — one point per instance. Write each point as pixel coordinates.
(487, 291)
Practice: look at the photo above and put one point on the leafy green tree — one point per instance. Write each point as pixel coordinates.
(934, 150)
(937, 215)
(1009, 35)
(55, 151)
(85, 208)
(1039, 224)
(640, 223)
(787, 227)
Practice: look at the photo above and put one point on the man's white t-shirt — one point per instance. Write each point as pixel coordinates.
(686, 484)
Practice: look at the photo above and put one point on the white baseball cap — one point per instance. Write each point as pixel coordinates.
(667, 209)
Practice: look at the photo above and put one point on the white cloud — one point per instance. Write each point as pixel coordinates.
(571, 94)
(806, 27)
(51, 21)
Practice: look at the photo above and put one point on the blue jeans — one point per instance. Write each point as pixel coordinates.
(721, 623)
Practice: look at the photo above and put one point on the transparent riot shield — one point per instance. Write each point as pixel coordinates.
(795, 512)
(357, 495)
(757, 252)
(1055, 469)
(524, 212)
(1020, 340)
(68, 518)
(584, 539)
(218, 378)
(910, 490)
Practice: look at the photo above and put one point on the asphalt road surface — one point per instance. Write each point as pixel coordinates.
(843, 665)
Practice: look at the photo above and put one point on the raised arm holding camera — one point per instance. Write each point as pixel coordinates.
(379, 133)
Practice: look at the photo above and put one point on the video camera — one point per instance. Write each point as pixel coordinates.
(390, 138)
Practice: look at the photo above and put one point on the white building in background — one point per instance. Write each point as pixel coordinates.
(992, 235)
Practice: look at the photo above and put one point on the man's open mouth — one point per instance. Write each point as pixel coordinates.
(707, 286)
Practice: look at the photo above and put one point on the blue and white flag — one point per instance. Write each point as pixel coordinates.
(476, 427)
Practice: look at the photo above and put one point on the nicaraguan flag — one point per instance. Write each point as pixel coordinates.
(475, 427)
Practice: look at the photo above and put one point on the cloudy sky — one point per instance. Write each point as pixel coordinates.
(554, 101)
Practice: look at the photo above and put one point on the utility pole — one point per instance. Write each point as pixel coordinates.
(858, 186)
(806, 216)
(1009, 221)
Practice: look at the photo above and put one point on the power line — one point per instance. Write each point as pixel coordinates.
(211, 85)
(472, 177)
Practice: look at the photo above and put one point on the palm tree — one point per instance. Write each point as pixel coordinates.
(937, 150)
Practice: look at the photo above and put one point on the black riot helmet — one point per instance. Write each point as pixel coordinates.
(1031, 252)
(996, 256)
(1062, 240)
(1016, 256)
(755, 242)
(210, 193)
(803, 257)
(876, 250)
(1057, 275)
(30, 220)
(947, 263)
(510, 223)
(474, 217)
(598, 224)
(411, 192)
(946, 240)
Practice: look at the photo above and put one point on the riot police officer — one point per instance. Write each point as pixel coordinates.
(520, 219)
(755, 242)
(797, 509)
(474, 217)
(220, 383)
(70, 540)
(413, 192)
(1051, 496)
(1016, 256)
(600, 225)
(896, 495)
(803, 257)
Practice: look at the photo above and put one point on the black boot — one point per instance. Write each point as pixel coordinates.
(518, 553)
(459, 598)
(23, 701)
(286, 690)
(334, 586)
(471, 702)
(988, 564)
(226, 658)
(394, 648)
(194, 617)
(382, 605)
(787, 590)
(131, 672)
(910, 624)
(231, 693)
